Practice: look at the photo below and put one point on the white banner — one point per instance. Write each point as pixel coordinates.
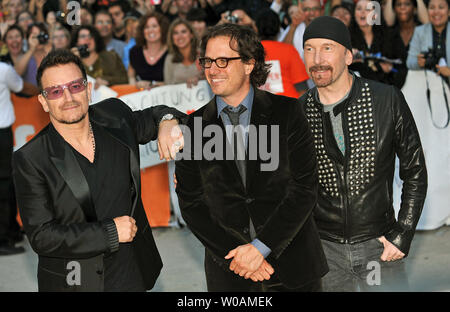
(177, 96)
(274, 82)
(435, 143)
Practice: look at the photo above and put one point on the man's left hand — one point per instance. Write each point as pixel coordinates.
(170, 139)
(246, 259)
(390, 253)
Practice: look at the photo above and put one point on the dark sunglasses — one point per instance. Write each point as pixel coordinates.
(55, 92)
(221, 62)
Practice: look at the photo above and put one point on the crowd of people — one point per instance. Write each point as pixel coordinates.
(158, 44)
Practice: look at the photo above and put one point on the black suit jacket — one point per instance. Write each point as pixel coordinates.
(54, 200)
(217, 206)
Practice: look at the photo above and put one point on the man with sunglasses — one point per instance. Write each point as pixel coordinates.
(256, 224)
(78, 185)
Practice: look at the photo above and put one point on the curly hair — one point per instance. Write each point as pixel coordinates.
(244, 41)
(10, 28)
(173, 49)
(163, 23)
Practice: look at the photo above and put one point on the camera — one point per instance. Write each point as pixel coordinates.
(42, 38)
(432, 58)
(83, 50)
(232, 18)
(60, 16)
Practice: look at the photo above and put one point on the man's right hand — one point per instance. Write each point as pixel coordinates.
(421, 60)
(263, 272)
(126, 228)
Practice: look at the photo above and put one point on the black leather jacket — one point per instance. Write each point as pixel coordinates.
(355, 190)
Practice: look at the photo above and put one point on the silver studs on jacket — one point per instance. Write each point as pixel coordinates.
(362, 142)
(327, 173)
(361, 129)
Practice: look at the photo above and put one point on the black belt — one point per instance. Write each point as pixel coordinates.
(5, 130)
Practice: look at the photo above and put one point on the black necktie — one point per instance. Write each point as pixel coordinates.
(239, 150)
(237, 141)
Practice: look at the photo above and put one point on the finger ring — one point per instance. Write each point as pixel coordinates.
(177, 144)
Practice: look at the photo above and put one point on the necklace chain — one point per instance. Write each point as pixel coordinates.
(91, 133)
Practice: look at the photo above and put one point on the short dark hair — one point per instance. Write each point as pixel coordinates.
(163, 23)
(12, 27)
(102, 12)
(414, 3)
(55, 58)
(268, 24)
(196, 14)
(249, 48)
(347, 7)
(99, 43)
(124, 5)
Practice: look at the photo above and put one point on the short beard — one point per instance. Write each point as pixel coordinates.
(320, 68)
(70, 122)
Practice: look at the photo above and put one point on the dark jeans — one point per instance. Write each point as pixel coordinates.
(220, 279)
(358, 267)
(8, 210)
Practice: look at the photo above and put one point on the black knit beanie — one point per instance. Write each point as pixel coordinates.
(328, 27)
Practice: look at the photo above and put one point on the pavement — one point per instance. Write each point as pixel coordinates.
(427, 266)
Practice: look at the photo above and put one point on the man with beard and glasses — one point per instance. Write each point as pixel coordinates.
(78, 184)
(359, 128)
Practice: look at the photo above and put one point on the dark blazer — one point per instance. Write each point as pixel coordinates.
(54, 200)
(216, 205)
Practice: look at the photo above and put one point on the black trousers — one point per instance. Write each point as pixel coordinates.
(221, 279)
(8, 208)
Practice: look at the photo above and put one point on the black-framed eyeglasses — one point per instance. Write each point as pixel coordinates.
(221, 62)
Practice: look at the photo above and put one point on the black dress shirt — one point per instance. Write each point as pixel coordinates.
(110, 183)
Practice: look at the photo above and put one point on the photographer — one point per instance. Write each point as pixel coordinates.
(429, 47)
(105, 66)
(238, 16)
(38, 47)
(370, 42)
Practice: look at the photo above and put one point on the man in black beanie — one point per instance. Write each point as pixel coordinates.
(359, 127)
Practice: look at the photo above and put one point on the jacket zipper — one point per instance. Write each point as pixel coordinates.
(345, 186)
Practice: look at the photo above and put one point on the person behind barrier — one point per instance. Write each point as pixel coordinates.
(430, 44)
(146, 68)
(10, 232)
(105, 67)
(370, 42)
(61, 38)
(104, 24)
(38, 47)
(180, 65)
(291, 78)
(78, 184)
